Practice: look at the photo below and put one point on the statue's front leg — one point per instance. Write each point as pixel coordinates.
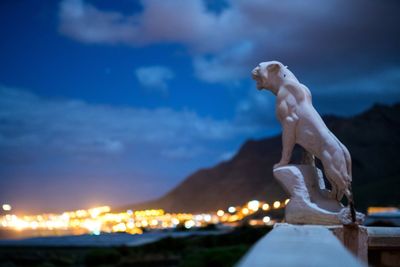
(288, 141)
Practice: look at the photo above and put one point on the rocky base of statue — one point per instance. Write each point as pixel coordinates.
(310, 202)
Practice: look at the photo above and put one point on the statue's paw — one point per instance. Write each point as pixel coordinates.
(345, 216)
(360, 217)
(277, 165)
(280, 164)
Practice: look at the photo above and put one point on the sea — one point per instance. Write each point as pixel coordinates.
(103, 240)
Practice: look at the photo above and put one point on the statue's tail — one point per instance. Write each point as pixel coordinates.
(349, 195)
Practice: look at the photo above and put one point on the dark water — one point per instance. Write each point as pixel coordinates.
(103, 240)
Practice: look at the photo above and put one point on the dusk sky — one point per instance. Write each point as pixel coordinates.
(116, 102)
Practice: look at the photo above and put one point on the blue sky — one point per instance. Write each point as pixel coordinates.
(115, 102)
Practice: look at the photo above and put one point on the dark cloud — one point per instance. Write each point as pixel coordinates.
(355, 94)
(308, 34)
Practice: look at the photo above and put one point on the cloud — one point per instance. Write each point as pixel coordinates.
(381, 82)
(182, 152)
(355, 94)
(226, 66)
(154, 78)
(226, 44)
(73, 128)
(227, 155)
(257, 110)
(91, 25)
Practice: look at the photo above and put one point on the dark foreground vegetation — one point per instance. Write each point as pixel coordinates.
(195, 251)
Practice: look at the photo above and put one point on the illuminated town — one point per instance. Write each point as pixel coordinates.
(99, 220)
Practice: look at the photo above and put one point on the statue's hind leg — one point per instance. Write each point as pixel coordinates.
(336, 172)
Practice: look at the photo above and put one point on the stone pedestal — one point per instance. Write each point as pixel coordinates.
(310, 202)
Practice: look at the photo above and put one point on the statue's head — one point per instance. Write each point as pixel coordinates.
(268, 74)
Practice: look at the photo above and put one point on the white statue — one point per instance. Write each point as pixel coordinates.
(301, 124)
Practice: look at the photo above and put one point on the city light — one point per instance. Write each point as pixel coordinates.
(207, 217)
(266, 219)
(7, 207)
(232, 209)
(175, 221)
(265, 206)
(121, 227)
(253, 205)
(245, 211)
(98, 220)
(220, 213)
(287, 201)
(189, 224)
(373, 210)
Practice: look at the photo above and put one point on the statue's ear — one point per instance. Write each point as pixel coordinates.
(274, 67)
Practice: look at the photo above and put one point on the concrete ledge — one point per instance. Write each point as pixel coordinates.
(383, 237)
(299, 245)
(354, 238)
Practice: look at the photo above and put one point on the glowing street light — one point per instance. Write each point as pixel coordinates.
(7, 207)
(266, 219)
(245, 211)
(265, 206)
(231, 209)
(253, 205)
(220, 213)
(189, 224)
(277, 204)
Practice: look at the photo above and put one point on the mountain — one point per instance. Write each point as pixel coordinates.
(373, 139)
